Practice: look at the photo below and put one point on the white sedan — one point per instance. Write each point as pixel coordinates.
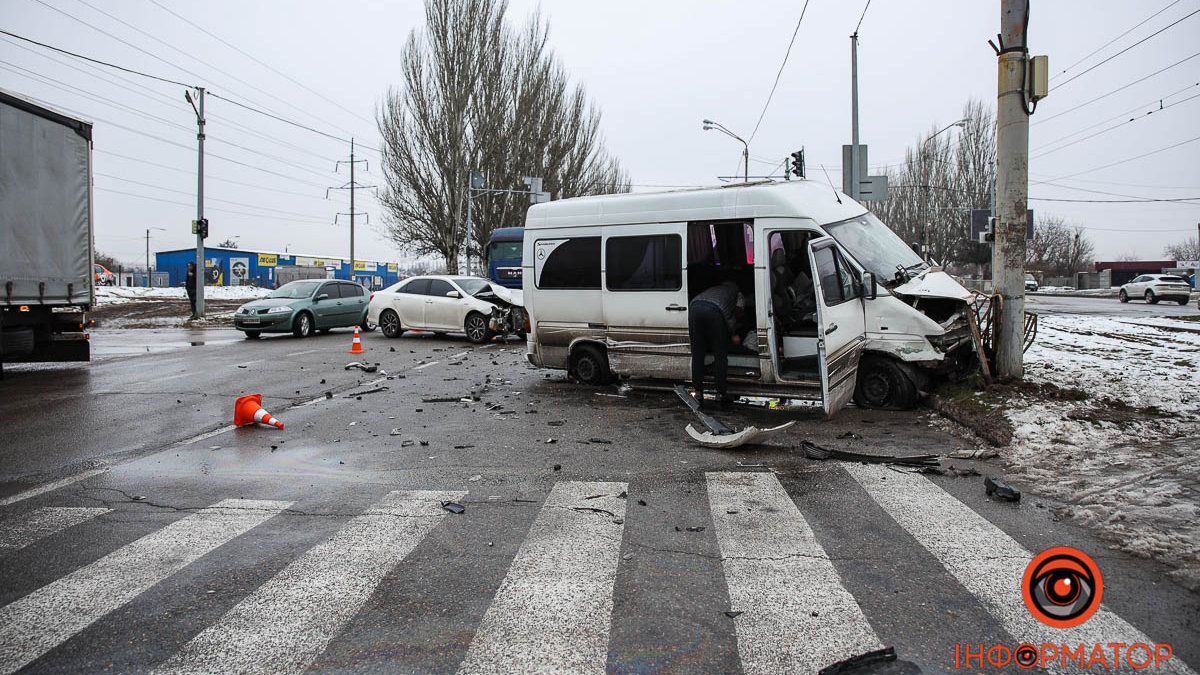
(1155, 287)
(447, 304)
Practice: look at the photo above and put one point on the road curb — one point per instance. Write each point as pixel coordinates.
(992, 426)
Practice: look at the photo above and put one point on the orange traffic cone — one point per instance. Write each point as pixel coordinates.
(356, 346)
(248, 410)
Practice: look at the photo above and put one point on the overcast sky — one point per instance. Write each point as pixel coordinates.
(656, 69)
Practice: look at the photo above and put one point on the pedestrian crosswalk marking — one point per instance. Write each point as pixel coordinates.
(796, 615)
(47, 617)
(288, 622)
(984, 559)
(54, 485)
(17, 533)
(553, 609)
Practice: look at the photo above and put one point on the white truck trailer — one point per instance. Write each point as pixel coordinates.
(46, 266)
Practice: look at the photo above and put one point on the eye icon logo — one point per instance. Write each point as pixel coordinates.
(1062, 587)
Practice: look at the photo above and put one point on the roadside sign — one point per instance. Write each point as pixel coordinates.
(980, 224)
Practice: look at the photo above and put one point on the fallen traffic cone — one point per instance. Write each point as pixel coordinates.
(356, 346)
(248, 410)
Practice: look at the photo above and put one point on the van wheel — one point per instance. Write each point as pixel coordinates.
(882, 383)
(476, 328)
(589, 365)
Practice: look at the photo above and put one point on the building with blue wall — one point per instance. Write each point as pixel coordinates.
(240, 267)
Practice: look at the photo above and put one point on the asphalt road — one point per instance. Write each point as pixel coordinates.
(1052, 304)
(139, 532)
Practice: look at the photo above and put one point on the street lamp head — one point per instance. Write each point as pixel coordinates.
(187, 95)
(707, 127)
(709, 122)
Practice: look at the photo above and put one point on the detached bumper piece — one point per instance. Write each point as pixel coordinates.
(813, 451)
(718, 435)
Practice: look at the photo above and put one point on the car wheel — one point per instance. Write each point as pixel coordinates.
(476, 328)
(1183, 301)
(1150, 299)
(366, 326)
(1123, 296)
(253, 334)
(389, 323)
(589, 365)
(302, 325)
(882, 383)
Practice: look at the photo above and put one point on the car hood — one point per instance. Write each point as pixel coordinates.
(933, 283)
(510, 295)
(267, 303)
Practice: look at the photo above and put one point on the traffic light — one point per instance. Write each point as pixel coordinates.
(200, 227)
(797, 167)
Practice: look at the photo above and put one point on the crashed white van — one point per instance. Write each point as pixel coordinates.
(607, 282)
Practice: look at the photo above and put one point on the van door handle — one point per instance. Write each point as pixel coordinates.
(676, 308)
(832, 327)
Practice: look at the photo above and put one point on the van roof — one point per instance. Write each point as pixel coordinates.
(794, 199)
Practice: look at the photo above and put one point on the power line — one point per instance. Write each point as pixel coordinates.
(1113, 201)
(208, 199)
(256, 60)
(1122, 161)
(192, 172)
(864, 15)
(277, 117)
(190, 205)
(780, 72)
(1101, 47)
(1123, 113)
(103, 63)
(1120, 88)
(1159, 31)
(1115, 126)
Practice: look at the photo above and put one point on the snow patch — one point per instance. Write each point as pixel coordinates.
(107, 295)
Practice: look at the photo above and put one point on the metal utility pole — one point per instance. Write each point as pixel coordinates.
(855, 169)
(1012, 188)
(351, 186)
(147, 256)
(200, 226)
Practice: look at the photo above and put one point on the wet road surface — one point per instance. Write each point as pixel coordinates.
(1057, 304)
(138, 532)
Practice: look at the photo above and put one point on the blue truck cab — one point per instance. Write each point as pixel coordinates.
(504, 256)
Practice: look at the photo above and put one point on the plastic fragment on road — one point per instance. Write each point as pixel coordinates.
(997, 488)
(453, 507)
(749, 435)
(813, 451)
(365, 367)
(855, 664)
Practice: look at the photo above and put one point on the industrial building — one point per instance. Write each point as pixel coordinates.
(240, 267)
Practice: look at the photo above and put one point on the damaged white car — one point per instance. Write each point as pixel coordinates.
(838, 306)
(448, 304)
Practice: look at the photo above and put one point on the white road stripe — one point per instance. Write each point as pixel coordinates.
(17, 533)
(426, 365)
(49, 616)
(306, 351)
(553, 610)
(988, 562)
(458, 355)
(201, 437)
(54, 485)
(285, 625)
(797, 615)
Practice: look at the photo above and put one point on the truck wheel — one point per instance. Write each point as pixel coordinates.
(882, 383)
(589, 365)
(302, 325)
(252, 334)
(389, 323)
(476, 328)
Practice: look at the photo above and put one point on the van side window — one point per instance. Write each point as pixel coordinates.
(648, 263)
(837, 282)
(573, 264)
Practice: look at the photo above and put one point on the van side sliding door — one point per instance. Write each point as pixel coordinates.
(841, 322)
(646, 301)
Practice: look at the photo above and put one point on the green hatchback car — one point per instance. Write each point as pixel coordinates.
(304, 307)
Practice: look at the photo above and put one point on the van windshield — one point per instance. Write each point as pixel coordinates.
(877, 248)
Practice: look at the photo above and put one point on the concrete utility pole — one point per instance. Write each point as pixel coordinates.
(200, 226)
(855, 169)
(351, 186)
(1012, 188)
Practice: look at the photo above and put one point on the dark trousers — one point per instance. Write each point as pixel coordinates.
(709, 335)
(192, 300)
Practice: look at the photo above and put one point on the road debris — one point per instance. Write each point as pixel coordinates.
(601, 441)
(591, 509)
(476, 478)
(1001, 490)
(854, 663)
(365, 367)
(719, 435)
(813, 451)
(395, 432)
(849, 434)
(453, 507)
(962, 472)
(695, 528)
(734, 615)
(364, 392)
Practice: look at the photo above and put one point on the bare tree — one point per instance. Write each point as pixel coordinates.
(480, 96)
(1058, 249)
(1188, 249)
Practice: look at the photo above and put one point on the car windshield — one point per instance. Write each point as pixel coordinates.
(473, 285)
(877, 248)
(504, 250)
(296, 289)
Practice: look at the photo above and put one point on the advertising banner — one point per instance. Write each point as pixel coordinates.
(267, 260)
(239, 271)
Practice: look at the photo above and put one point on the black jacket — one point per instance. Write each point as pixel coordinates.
(190, 283)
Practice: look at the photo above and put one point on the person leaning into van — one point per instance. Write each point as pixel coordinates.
(712, 317)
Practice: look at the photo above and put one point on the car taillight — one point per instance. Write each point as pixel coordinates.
(528, 325)
(371, 298)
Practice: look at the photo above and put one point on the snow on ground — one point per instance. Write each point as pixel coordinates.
(1126, 459)
(106, 295)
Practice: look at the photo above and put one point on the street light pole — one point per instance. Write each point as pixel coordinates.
(925, 184)
(198, 106)
(709, 125)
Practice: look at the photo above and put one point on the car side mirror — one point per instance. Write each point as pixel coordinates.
(870, 289)
(323, 296)
(453, 294)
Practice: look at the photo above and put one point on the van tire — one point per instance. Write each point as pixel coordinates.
(589, 365)
(883, 383)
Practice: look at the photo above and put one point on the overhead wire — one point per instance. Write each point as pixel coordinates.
(1106, 44)
(103, 63)
(1139, 42)
(1121, 161)
(206, 197)
(786, 54)
(1115, 126)
(1114, 91)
